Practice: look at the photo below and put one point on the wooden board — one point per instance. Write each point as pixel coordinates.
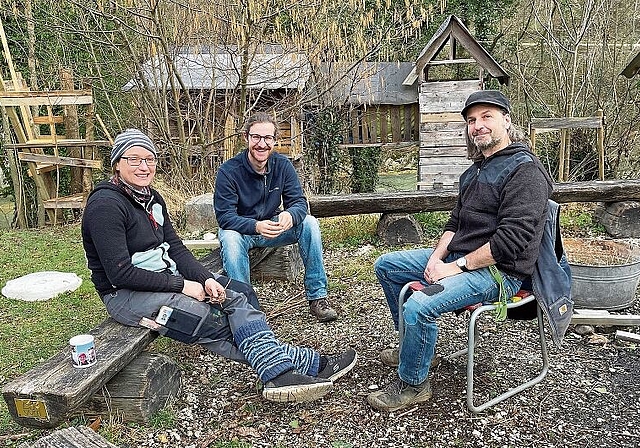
(73, 437)
(428, 154)
(554, 124)
(445, 96)
(50, 98)
(48, 394)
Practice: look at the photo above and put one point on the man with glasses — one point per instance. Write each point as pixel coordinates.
(258, 201)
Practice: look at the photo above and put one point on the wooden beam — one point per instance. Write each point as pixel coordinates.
(627, 336)
(46, 98)
(604, 318)
(60, 143)
(452, 61)
(555, 124)
(74, 201)
(64, 161)
(444, 200)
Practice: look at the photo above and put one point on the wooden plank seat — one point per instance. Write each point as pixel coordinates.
(73, 201)
(46, 162)
(50, 393)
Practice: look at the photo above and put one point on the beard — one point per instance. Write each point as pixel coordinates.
(485, 145)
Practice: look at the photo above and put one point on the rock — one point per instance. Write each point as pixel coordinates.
(199, 214)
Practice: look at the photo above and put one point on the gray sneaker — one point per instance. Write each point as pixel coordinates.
(292, 386)
(322, 310)
(336, 366)
(399, 395)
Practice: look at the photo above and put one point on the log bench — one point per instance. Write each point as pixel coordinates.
(123, 380)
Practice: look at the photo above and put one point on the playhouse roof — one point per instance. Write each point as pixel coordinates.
(633, 67)
(220, 68)
(453, 28)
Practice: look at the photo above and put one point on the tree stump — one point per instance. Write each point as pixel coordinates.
(620, 219)
(141, 389)
(265, 263)
(398, 228)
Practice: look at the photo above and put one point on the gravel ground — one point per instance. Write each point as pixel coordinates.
(589, 398)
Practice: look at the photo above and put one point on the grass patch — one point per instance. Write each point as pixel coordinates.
(31, 332)
(348, 231)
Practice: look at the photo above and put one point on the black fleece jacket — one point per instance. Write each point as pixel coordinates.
(503, 201)
(115, 227)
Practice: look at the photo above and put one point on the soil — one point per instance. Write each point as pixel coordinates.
(590, 398)
(598, 251)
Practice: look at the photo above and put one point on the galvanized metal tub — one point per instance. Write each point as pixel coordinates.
(604, 287)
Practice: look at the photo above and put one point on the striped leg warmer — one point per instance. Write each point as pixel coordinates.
(263, 351)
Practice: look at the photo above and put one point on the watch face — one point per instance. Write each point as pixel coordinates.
(461, 262)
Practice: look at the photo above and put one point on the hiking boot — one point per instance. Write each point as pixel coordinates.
(390, 357)
(398, 395)
(322, 310)
(292, 386)
(336, 366)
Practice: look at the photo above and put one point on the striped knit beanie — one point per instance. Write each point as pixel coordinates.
(128, 138)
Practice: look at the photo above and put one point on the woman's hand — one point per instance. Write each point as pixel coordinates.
(193, 289)
(215, 291)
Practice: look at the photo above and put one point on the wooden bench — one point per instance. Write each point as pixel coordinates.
(123, 380)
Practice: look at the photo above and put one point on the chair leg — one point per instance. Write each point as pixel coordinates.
(470, 361)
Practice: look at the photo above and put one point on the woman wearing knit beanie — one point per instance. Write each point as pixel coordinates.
(146, 276)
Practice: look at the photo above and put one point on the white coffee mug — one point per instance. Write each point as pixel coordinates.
(83, 351)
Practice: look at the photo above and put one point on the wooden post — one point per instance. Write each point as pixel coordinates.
(600, 144)
(71, 129)
(384, 124)
(532, 136)
(561, 156)
(355, 127)
(396, 127)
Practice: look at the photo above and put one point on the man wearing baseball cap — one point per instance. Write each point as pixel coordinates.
(498, 222)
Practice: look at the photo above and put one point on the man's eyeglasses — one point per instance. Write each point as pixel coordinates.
(137, 161)
(268, 139)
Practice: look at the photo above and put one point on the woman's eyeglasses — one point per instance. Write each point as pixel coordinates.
(136, 161)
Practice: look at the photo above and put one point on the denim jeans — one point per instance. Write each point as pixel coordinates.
(235, 253)
(420, 311)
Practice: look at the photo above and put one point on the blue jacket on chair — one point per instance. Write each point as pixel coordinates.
(552, 277)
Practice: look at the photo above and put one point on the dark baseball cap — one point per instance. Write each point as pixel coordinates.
(493, 97)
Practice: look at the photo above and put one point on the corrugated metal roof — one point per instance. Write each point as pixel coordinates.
(200, 69)
(375, 83)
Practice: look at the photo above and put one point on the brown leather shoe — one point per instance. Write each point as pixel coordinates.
(322, 310)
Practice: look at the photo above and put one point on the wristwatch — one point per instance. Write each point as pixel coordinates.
(462, 264)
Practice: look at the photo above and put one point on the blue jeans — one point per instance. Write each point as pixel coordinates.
(420, 311)
(235, 254)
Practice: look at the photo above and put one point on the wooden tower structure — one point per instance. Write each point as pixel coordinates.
(50, 131)
(450, 67)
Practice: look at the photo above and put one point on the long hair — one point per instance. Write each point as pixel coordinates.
(515, 135)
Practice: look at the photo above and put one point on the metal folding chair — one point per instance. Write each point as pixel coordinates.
(476, 311)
